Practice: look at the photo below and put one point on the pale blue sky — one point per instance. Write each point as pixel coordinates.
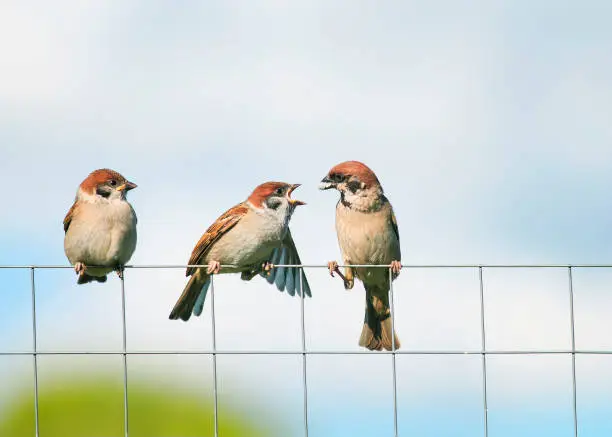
(488, 124)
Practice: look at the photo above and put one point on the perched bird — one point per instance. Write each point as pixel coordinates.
(100, 227)
(252, 236)
(367, 234)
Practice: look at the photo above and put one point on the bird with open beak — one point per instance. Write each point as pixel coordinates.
(368, 235)
(100, 227)
(249, 238)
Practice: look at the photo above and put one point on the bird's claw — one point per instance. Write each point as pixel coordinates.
(119, 271)
(332, 266)
(267, 268)
(213, 267)
(79, 268)
(396, 267)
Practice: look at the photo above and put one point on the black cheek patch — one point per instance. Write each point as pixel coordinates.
(105, 194)
(343, 201)
(272, 203)
(353, 185)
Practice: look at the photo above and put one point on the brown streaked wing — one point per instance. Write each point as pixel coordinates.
(69, 216)
(223, 224)
(394, 225)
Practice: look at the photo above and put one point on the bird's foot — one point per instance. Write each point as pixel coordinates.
(396, 267)
(332, 266)
(267, 268)
(120, 268)
(79, 268)
(213, 267)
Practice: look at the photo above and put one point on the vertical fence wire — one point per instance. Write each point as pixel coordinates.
(483, 355)
(124, 355)
(573, 338)
(393, 363)
(35, 349)
(214, 354)
(304, 378)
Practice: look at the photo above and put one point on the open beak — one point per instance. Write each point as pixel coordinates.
(326, 184)
(294, 201)
(127, 186)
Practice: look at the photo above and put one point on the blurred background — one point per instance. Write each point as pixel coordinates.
(488, 124)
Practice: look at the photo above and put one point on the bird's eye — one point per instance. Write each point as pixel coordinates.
(113, 182)
(279, 191)
(337, 177)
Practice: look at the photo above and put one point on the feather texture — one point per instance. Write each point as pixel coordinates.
(244, 238)
(222, 225)
(288, 278)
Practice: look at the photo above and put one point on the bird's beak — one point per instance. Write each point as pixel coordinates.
(294, 201)
(127, 186)
(326, 184)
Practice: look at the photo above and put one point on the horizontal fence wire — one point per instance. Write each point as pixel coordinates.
(483, 352)
(313, 352)
(325, 266)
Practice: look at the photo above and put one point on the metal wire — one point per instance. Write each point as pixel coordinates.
(393, 363)
(304, 378)
(483, 345)
(316, 352)
(124, 354)
(325, 266)
(214, 353)
(573, 337)
(35, 349)
(304, 352)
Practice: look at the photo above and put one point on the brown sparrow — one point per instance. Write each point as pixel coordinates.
(100, 227)
(251, 237)
(367, 234)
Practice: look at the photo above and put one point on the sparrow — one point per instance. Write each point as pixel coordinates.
(100, 227)
(251, 238)
(367, 234)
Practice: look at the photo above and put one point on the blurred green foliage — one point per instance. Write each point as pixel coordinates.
(92, 406)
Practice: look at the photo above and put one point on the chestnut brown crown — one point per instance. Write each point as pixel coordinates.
(347, 171)
(273, 189)
(105, 178)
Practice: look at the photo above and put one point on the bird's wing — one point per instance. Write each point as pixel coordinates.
(69, 216)
(287, 278)
(394, 225)
(133, 213)
(222, 225)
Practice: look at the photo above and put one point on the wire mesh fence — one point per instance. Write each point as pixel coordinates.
(304, 351)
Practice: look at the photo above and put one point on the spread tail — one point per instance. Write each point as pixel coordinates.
(377, 333)
(194, 292)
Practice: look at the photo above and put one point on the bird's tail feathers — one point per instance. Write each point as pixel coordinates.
(377, 333)
(387, 333)
(199, 303)
(194, 293)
